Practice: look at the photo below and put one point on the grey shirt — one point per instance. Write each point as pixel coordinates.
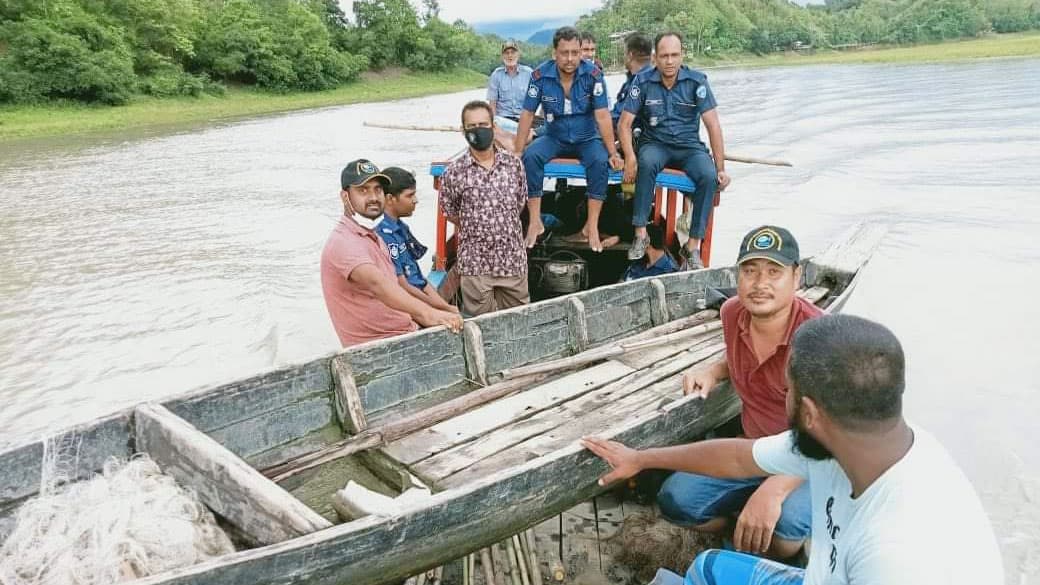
(506, 92)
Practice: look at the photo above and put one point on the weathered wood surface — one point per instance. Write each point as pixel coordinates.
(526, 334)
(456, 522)
(612, 350)
(482, 444)
(383, 434)
(93, 444)
(257, 437)
(394, 371)
(836, 266)
(221, 406)
(586, 415)
(476, 360)
(616, 311)
(467, 425)
(685, 290)
(349, 409)
(226, 484)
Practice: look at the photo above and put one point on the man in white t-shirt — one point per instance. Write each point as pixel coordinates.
(890, 505)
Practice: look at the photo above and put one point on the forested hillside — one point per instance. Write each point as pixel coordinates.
(109, 50)
(762, 26)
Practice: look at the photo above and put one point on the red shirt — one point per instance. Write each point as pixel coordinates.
(356, 314)
(761, 387)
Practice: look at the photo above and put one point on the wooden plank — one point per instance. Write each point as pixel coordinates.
(578, 324)
(658, 302)
(348, 401)
(684, 291)
(525, 334)
(392, 372)
(513, 446)
(476, 361)
(417, 446)
(813, 294)
(850, 251)
(225, 483)
(93, 444)
(370, 551)
(615, 311)
(224, 405)
(270, 430)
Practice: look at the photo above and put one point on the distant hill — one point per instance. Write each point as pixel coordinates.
(534, 30)
(542, 37)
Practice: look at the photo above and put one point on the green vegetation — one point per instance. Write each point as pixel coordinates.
(717, 28)
(109, 51)
(1009, 45)
(20, 121)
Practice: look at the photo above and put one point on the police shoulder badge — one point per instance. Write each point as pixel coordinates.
(634, 92)
(702, 91)
(598, 89)
(532, 90)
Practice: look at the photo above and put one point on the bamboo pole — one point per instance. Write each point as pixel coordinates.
(520, 560)
(448, 128)
(514, 570)
(532, 556)
(488, 566)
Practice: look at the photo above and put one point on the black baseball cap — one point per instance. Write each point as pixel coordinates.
(359, 172)
(771, 243)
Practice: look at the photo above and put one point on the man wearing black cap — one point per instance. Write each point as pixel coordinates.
(774, 515)
(363, 297)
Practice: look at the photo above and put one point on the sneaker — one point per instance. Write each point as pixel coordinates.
(638, 249)
(690, 261)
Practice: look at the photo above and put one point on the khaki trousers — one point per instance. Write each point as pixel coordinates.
(484, 294)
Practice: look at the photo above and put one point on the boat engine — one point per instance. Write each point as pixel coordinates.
(562, 272)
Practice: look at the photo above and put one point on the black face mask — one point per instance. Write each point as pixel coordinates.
(480, 138)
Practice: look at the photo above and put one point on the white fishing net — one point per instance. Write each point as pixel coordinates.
(128, 522)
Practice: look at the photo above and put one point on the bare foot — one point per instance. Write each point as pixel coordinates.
(610, 241)
(594, 241)
(533, 231)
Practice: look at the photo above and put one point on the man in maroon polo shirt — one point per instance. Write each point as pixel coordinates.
(773, 514)
(359, 282)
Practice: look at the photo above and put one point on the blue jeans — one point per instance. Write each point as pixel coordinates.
(688, 499)
(698, 165)
(591, 153)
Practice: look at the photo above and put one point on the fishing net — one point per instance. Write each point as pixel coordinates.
(646, 542)
(128, 522)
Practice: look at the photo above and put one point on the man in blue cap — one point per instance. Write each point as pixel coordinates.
(669, 102)
(573, 95)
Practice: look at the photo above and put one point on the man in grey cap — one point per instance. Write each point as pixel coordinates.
(363, 297)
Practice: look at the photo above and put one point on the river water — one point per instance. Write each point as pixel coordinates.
(135, 267)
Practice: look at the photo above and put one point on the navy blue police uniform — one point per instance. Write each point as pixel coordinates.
(570, 126)
(622, 95)
(405, 250)
(670, 121)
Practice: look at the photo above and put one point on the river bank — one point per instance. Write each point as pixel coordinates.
(25, 122)
(992, 46)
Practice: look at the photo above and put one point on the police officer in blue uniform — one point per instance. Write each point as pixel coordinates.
(637, 60)
(405, 250)
(573, 97)
(669, 102)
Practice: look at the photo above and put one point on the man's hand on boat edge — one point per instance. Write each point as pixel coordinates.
(624, 461)
(453, 321)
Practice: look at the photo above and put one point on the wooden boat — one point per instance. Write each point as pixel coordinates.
(497, 468)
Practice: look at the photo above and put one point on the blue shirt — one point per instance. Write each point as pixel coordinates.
(506, 92)
(671, 116)
(638, 269)
(405, 250)
(622, 95)
(568, 119)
